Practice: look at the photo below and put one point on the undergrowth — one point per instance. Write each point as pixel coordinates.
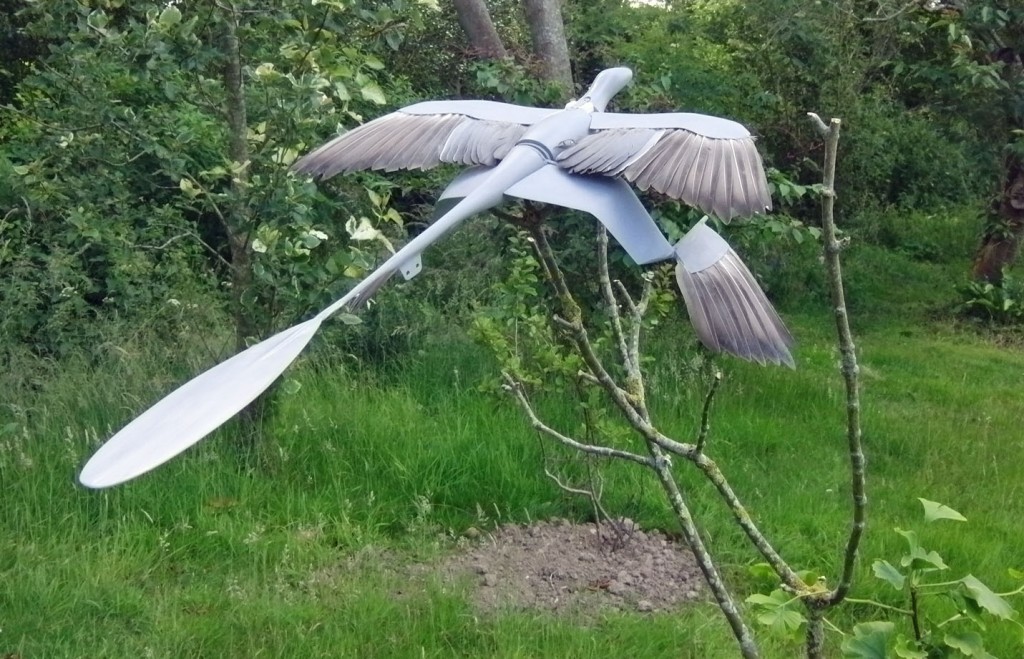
(368, 468)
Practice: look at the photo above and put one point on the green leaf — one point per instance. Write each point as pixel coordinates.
(935, 511)
(349, 319)
(372, 62)
(885, 571)
(188, 188)
(869, 640)
(782, 619)
(907, 649)
(372, 92)
(775, 612)
(393, 39)
(170, 16)
(762, 571)
(968, 643)
(919, 559)
(1015, 574)
(911, 539)
(987, 599)
(759, 599)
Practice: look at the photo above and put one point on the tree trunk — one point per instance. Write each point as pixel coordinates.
(549, 45)
(476, 22)
(235, 214)
(237, 219)
(1000, 243)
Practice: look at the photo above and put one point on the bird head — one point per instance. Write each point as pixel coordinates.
(607, 84)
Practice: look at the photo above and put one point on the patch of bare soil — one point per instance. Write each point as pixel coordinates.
(564, 567)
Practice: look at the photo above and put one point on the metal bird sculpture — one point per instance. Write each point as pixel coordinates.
(580, 157)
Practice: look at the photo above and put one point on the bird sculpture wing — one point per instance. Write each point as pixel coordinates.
(706, 162)
(726, 305)
(425, 135)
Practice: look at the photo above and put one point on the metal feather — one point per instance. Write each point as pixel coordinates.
(685, 164)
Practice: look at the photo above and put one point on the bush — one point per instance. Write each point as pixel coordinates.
(1001, 304)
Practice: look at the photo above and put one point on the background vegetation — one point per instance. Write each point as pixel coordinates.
(136, 250)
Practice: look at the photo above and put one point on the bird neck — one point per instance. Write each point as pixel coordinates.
(606, 85)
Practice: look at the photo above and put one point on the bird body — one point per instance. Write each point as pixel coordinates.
(579, 157)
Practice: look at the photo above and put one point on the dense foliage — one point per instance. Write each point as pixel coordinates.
(120, 197)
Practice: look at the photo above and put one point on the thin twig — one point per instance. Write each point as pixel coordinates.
(516, 389)
(609, 296)
(848, 353)
(705, 423)
(594, 495)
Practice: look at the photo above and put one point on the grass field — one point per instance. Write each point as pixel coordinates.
(298, 551)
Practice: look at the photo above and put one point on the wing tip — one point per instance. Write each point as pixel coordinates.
(731, 314)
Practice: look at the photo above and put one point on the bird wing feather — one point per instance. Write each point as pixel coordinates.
(425, 135)
(705, 161)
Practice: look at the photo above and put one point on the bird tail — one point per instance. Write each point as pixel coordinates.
(726, 305)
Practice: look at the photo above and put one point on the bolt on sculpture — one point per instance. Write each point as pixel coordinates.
(550, 156)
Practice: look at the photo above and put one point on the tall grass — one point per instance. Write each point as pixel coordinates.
(301, 550)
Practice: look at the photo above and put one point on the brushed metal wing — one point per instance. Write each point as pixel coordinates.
(707, 162)
(425, 135)
(726, 305)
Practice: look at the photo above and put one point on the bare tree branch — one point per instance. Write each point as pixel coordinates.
(516, 389)
(848, 352)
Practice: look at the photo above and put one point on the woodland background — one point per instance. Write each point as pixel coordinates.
(149, 227)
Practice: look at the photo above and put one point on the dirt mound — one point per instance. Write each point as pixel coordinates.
(560, 566)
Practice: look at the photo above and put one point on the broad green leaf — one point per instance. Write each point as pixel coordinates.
(349, 319)
(907, 649)
(919, 559)
(759, 599)
(911, 538)
(266, 70)
(762, 571)
(782, 620)
(987, 599)
(774, 611)
(362, 229)
(934, 511)
(393, 39)
(885, 571)
(372, 92)
(170, 16)
(869, 640)
(968, 643)
(188, 188)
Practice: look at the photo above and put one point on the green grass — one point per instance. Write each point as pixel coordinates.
(300, 550)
